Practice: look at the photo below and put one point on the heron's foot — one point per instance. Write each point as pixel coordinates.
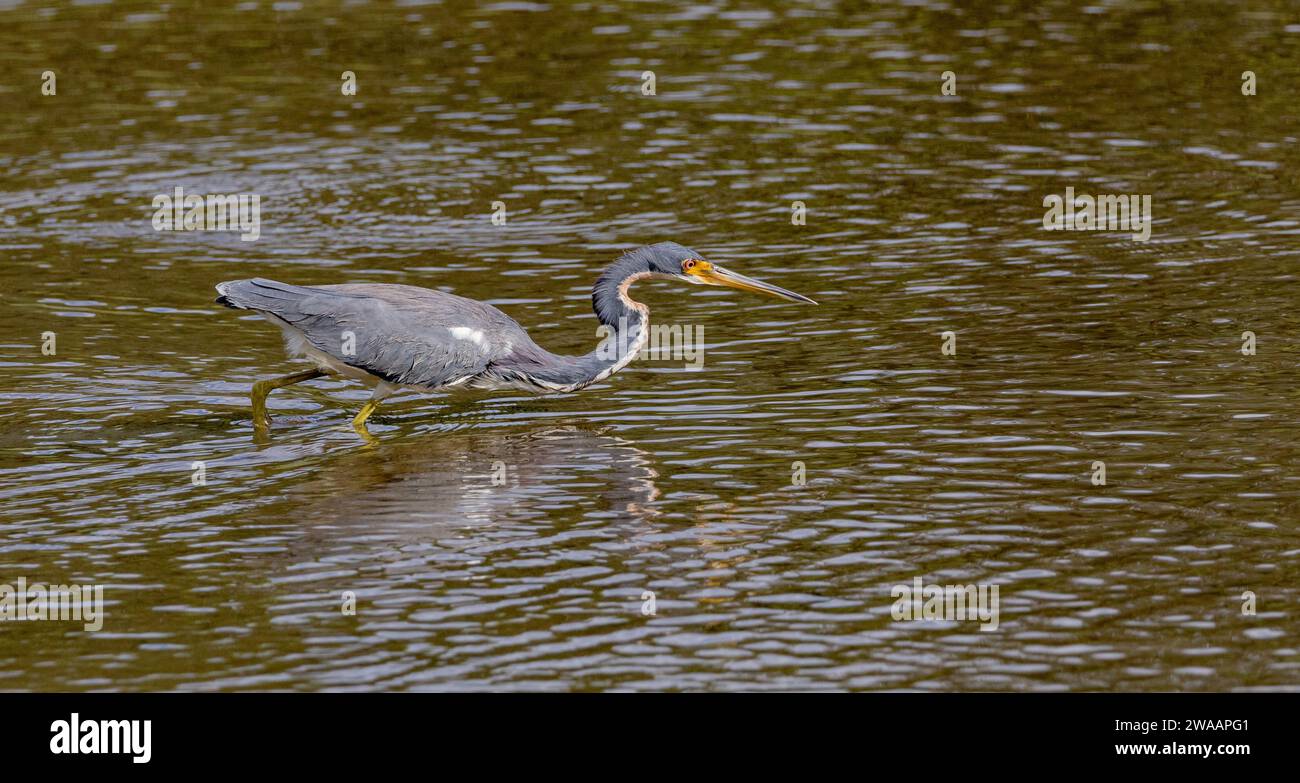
(359, 423)
(261, 419)
(262, 389)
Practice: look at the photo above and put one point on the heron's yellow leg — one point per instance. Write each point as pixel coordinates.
(359, 423)
(263, 388)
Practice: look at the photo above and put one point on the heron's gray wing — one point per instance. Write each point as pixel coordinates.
(402, 334)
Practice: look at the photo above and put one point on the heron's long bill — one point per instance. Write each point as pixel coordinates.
(716, 275)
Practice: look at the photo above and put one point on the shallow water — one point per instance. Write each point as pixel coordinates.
(924, 216)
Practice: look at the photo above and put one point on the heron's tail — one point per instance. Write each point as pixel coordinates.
(223, 299)
(260, 294)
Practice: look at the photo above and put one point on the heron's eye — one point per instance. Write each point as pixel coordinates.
(688, 264)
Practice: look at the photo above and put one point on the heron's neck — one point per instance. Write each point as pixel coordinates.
(624, 325)
(614, 308)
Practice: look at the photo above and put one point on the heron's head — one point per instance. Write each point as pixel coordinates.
(669, 259)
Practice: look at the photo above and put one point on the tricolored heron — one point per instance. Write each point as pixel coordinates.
(400, 336)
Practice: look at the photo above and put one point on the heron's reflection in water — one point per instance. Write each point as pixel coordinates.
(442, 483)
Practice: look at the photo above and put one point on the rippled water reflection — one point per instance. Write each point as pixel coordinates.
(924, 215)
